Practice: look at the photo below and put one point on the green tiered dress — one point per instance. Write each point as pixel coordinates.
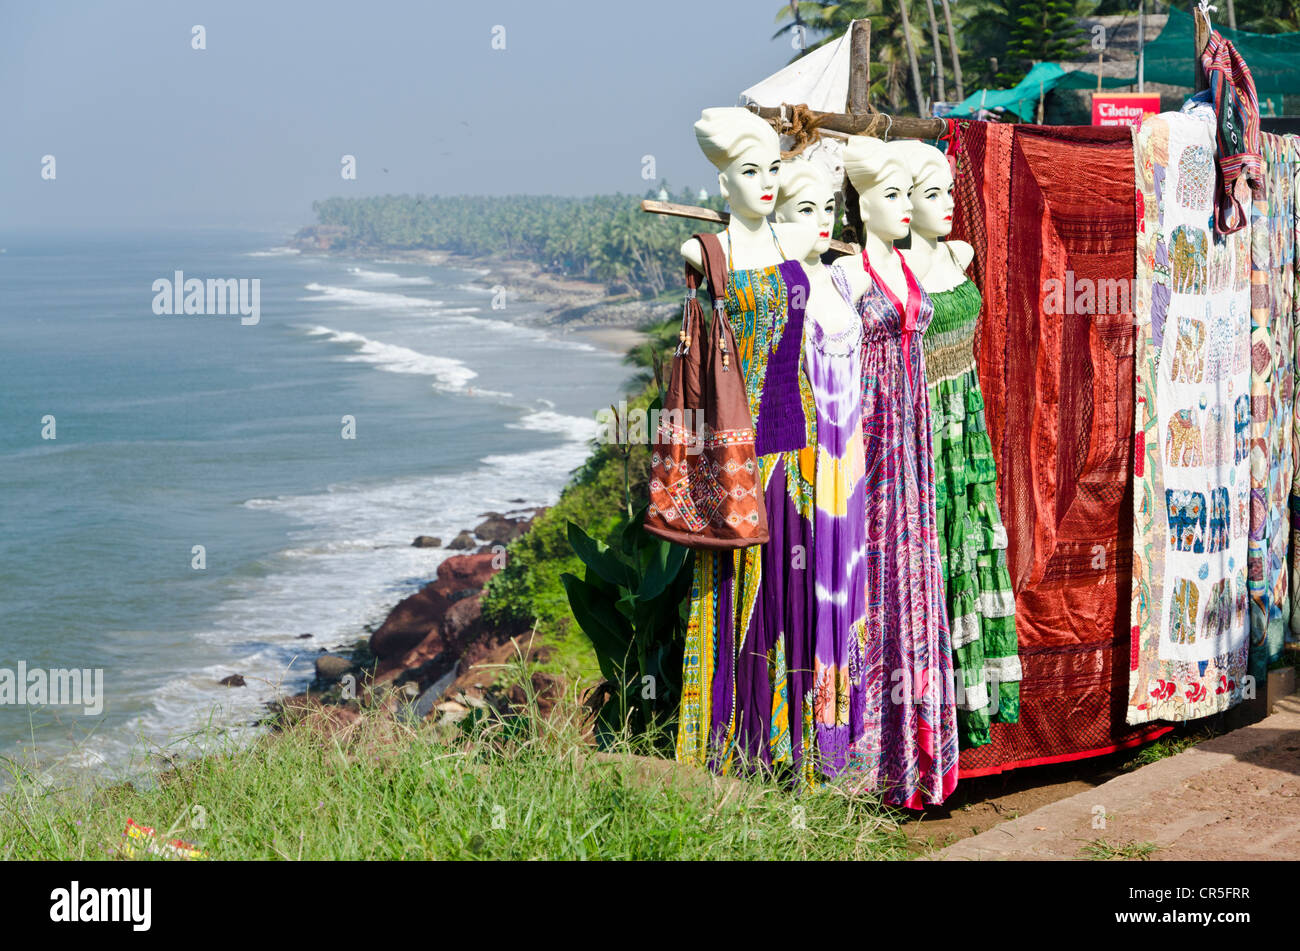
(972, 539)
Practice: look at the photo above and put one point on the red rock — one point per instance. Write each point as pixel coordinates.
(418, 616)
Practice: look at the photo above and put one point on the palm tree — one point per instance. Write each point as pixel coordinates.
(890, 60)
(911, 59)
(938, 53)
(952, 46)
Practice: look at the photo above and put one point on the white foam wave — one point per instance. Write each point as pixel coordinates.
(273, 253)
(574, 428)
(369, 300)
(448, 372)
(386, 277)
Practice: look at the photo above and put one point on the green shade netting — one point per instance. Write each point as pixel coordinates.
(1023, 97)
(1274, 60)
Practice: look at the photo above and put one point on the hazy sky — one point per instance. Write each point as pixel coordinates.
(146, 131)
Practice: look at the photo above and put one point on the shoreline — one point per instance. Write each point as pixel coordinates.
(428, 648)
(571, 304)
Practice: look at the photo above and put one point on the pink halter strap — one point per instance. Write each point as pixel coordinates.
(910, 312)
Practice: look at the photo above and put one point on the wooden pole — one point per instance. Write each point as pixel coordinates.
(696, 213)
(1142, 34)
(1202, 38)
(857, 103)
(876, 123)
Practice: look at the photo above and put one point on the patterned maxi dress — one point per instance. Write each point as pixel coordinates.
(834, 364)
(908, 751)
(747, 669)
(972, 539)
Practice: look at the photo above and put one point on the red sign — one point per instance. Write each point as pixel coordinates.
(1123, 108)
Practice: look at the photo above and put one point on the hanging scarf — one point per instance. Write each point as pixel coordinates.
(1236, 111)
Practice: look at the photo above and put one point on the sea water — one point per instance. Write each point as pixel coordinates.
(216, 488)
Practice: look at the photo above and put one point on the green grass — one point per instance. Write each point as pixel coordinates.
(1171, 744)
(521, 788)
(1101, 850)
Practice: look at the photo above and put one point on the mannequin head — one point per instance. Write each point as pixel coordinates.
(931, 195)
(747, 154)
(878, 171)
(807, 197)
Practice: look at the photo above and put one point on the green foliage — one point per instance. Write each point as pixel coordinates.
(604, 238)
(1040, 30)
(632, 603)
(528, 592)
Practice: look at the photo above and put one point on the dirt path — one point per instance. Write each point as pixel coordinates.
(1235, 796)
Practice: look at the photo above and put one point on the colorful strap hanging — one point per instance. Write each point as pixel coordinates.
(1236, 110)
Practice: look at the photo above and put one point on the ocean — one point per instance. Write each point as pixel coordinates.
(177, 431)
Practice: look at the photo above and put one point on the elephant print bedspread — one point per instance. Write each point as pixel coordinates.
(1192, 443)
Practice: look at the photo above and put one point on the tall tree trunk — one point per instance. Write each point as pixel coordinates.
(952, 47)
(911, 58)
(938, 50)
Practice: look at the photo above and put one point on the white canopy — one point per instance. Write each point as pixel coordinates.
(818, 79)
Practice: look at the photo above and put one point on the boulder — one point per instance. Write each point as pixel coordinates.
(461, 616)
(462, 542)
(332, 667)
(426, 541)
(417, 619)
(546, 690)
(234, 680)
(500, 530)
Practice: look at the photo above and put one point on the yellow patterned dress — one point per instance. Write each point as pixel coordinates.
(751, 608)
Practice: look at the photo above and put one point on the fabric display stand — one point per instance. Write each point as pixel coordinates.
(1137, 352)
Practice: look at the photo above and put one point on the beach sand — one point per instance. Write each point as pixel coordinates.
(617, 339)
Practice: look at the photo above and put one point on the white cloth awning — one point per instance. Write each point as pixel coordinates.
(818, 79)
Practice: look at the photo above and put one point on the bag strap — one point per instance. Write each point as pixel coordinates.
(691, 311)
(717, 273)
(715, 268)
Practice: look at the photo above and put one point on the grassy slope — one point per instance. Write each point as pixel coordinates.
(383, 791)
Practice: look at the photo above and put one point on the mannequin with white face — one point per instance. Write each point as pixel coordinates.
(747, 154)
(878, 170)
(938, 266)
(807, 198)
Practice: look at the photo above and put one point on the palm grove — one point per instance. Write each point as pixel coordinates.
(944, 51)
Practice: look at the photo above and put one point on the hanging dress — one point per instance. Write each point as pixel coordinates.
(839, 566)
(747, 668)
(972, 539)
(908, 750)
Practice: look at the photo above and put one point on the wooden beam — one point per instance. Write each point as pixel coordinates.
(1202, 38)
(708, 214)
(876, 123)
(859, 66)
(858, 102)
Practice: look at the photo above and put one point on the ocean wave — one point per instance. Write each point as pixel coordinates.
(273, 253)
(387, 277)
(369, 300)
(450, 373)
(574, 428)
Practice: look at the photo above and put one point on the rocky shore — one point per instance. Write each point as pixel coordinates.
(571, 304)
(434, 657)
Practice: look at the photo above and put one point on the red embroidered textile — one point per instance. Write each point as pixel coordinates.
(1042, 203)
